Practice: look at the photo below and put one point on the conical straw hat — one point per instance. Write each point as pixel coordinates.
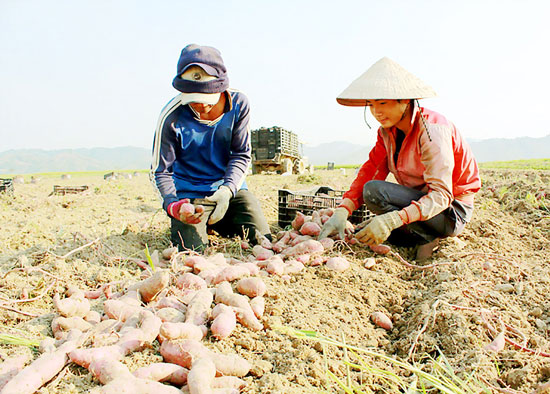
(385, 79)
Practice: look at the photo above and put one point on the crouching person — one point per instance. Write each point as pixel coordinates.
(202, 151)
(437, 175)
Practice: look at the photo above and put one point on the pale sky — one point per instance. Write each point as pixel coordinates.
(96, 73)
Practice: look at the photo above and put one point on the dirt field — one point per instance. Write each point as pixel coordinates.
(494, 277)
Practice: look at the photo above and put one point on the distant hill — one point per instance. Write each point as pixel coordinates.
(494, 149)
(29, 161)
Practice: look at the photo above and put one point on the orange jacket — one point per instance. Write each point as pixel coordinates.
(437, 161)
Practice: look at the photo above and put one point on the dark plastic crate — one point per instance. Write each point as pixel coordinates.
(6, 186)
(62, 190)
(313, 200)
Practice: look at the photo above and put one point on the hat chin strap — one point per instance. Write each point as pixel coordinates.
(365, 117)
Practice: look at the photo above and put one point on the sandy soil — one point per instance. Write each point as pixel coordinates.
(495, 274)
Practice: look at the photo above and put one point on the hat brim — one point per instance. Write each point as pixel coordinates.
(202, 98)
(209, 69)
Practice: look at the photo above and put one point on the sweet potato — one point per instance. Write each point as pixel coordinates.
(261, 253)
(300, 238)
(230, 274)
(170, 315)
(498, 343)
(293, 267)
(338, 264)
(318, 260)
(171, 302)
(201, 375)
(263, 241)
(190, 261)
(316, 218)
(168, 253)
(217, 259)
(118, 379)
(275, 266)
(75, 305)
(181, 331)
(310, 246)
(310, 228)
(245, 314)
(138, 331)
(298, 221)
(46, 345)
(12, 366)
(380, 249)
(327, 243)
(265, 263)
(304, 258)
(130, 297)
(152, 286)
(84, 357)
(258, 306)
(232, 382)
(40, 371)
(224, 321)
(185, 352)
(252, 268)
(282, 243)
(163, 372)
(251, 287)
(92, 317)
(382, 320)
(198, 310)
(119, 310)
(189, 281)
(68, 323)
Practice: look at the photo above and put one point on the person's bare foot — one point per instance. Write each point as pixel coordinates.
(425, 251)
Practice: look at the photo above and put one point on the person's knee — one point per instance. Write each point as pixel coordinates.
(372, 195)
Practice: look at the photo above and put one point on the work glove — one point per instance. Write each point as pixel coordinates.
(379, 228)
(185, 212)
(221, 198)
(336, 223)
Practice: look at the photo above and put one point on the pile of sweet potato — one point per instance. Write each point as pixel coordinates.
(178, 307)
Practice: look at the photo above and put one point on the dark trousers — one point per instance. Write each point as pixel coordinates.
(243, 218)
(381, 197)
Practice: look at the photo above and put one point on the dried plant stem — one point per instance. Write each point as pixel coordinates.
(423, 329)
(9, 308)
(32, 299)
(76, 250)
(419, 267)
(32, 269)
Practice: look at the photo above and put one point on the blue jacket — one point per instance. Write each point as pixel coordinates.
(192, 159)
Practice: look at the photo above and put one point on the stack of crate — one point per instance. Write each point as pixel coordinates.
(267, 142)
(62, 190)
(6, 186)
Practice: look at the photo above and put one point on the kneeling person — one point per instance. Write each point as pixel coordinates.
(202, 150)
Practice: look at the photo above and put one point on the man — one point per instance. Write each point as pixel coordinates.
(437, 175)
(202, 150)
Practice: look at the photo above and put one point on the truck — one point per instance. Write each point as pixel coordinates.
(275, 149)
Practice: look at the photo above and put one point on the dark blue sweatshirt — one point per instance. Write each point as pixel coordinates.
(192, 159)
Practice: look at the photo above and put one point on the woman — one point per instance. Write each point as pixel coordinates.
(436, 173)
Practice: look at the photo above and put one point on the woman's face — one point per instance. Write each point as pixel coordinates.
(388, 112)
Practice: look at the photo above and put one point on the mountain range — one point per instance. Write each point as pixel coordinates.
(30, 161)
